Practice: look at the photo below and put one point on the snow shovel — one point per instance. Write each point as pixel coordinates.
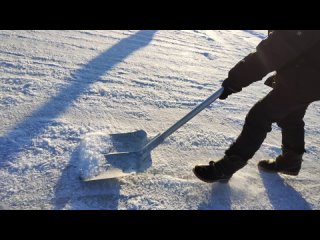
(132, 151)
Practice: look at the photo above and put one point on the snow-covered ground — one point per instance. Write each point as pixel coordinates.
(57, 87)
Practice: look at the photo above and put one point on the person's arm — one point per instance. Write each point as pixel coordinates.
(280, 48)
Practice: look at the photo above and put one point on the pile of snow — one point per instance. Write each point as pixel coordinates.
(92, 148)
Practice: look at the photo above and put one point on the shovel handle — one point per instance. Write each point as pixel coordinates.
(160, 138)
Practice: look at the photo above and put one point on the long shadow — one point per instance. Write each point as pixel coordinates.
(20, 137)
(69, 189)
(219, 199)
(70, 192)
(281, 195)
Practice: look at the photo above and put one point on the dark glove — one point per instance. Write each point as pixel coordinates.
(226, 92)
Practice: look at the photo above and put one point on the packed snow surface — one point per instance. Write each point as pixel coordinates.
(63, 92)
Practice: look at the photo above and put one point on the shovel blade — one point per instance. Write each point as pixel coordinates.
(125, 156)
(123, 164)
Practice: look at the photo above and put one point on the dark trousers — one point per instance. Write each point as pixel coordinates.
(277, 107)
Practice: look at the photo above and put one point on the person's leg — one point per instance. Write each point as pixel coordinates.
(289, 162)
(292, 127)
(272, 108)
(278, 107)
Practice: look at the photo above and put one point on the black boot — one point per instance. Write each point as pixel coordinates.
(219, 171)
(289, 162)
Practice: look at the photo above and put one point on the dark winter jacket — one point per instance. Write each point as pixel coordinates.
(293, 54)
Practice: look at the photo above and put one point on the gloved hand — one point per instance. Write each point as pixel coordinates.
(226, 92)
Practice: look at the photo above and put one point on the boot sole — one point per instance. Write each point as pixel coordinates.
(283, 172)
(223, 180)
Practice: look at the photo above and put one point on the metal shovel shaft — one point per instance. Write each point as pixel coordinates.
(124, 163)
(160, 138)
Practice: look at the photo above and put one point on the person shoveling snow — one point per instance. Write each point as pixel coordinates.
(294, 55)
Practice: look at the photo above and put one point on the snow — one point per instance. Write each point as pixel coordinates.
(91, 159)
(62, 91)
